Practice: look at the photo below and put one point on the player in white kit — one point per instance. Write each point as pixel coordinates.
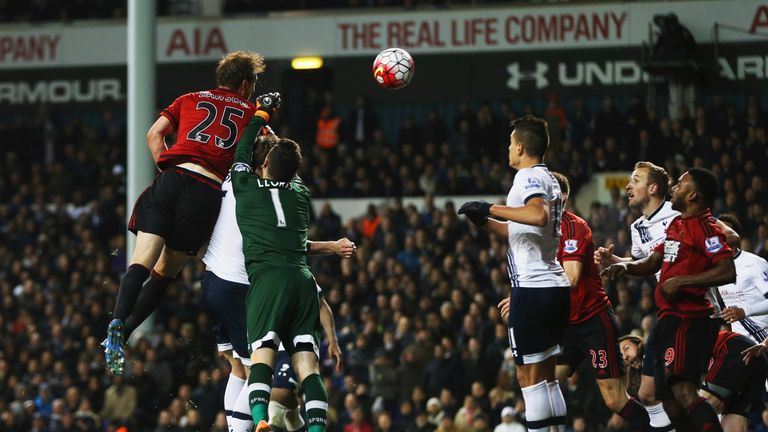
(647, 191)
(540, 295)
(225, 286)
(746, 301)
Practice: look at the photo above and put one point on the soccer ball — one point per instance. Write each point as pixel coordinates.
(393, 68)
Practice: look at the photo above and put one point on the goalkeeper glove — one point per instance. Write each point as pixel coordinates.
(267, 104)
(476, 211)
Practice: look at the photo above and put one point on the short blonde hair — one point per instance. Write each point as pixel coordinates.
(657, 175)
(237, 66)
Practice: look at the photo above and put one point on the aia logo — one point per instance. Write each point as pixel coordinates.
(669, 356)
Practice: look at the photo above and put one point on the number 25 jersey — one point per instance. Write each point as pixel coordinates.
(208, 124)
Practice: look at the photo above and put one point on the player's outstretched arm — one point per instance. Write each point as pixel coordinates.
(723, 272)
(642, 267)
(604, 257)
(241, 168)
(535, 212)
(732, 238)
(752, 309)
(156, 136)
(329, 328)
(342, 247)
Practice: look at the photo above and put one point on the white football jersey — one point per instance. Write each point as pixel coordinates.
(532, 254)
(224, 256)
(649, 231)
(751, 288)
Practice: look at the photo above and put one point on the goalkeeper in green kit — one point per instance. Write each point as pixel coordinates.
(282, 304)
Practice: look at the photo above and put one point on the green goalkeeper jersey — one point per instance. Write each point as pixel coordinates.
(273, 216)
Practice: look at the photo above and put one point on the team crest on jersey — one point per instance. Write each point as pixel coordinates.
(571, 246)
(713, 244)
(241, 167)
(671, 249)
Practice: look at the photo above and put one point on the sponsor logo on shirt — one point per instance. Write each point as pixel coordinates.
(571, 246)
(671, 249)
(533, 183)
(713, 244)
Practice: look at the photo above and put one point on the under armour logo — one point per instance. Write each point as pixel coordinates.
(538, 75)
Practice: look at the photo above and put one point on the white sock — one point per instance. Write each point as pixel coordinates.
(241, 413)
(234, 386)
(557, 401)
(538, 409)
(293, 420)
(276, 412)
(659, 418)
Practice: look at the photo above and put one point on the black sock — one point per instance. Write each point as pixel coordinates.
(636, 415)
(703, 416)
(130, 285)
(149, 298)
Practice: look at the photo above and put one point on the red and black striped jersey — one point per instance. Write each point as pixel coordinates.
(588, 298)
(208, 124)
(693, 245)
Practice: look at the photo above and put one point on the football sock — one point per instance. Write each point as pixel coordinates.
(635, 415)
(149, 298)
(258, 390)
(658, 418)
(557, 401)
(276, 412)
(703, 416)
(130, 285)
(538, 409)
(316, 403)
(241, 413)
(234, 386)
(293, 420)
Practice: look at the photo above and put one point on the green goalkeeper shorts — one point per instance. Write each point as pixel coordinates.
(282, 305)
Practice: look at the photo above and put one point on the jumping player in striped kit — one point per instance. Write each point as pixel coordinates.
(539, 303)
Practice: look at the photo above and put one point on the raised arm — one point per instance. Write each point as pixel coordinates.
(342, 247)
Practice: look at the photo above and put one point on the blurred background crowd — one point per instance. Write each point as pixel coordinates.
(424, 346)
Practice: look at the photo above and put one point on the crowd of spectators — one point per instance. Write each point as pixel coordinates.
(424, 346)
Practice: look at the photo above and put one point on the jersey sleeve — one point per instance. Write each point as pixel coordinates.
(576, 239)
(172, 112)
(712, 242)
(241, 168)
(531, 186)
